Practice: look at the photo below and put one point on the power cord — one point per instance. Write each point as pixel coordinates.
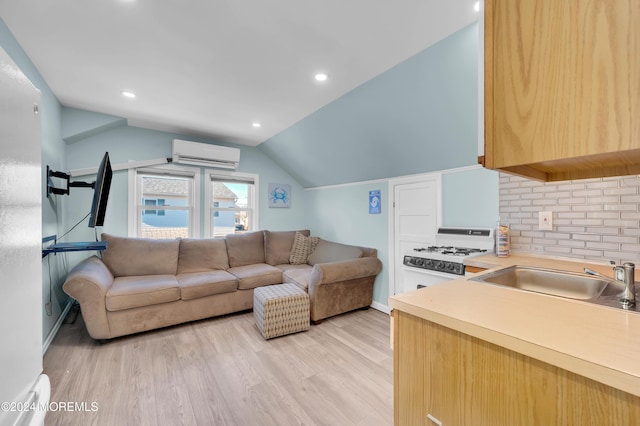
(74, 226)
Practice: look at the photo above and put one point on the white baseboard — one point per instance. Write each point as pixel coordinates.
(56, 327)
(380, 307)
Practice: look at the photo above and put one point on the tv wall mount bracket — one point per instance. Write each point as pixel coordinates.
(51, 188)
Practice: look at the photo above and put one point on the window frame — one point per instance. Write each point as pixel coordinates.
(135, 194)
(211, 175)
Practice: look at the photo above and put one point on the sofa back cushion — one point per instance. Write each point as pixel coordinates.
(278, 244)
(327, 251)
(200, 255)
(140, 256)
(245, 249)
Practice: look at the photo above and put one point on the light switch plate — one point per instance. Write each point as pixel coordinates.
(545, 221)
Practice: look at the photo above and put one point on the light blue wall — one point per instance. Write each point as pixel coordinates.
(341, 214)
(79, 124)
(53, 155)
(133, 143)
(470, 198)
(419, 116)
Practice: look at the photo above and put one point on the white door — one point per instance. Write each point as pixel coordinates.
(416, 216)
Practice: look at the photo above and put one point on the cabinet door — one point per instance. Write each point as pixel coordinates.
(409, 369)
(562, 91)
(446, 391)
(462, 380)
(428, 380)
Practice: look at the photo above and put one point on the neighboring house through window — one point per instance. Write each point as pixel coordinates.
(164, 202)
(230, 203)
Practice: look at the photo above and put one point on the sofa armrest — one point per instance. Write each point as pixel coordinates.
(344, 270)
(88, 283)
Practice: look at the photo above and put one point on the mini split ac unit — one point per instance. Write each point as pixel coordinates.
(203, 154)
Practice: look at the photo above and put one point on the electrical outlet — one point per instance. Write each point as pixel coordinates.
(545, 221)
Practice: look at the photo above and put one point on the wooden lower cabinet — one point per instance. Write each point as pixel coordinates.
(457, 379)
(474, 269)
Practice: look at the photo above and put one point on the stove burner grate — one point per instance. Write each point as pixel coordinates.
(454, 251)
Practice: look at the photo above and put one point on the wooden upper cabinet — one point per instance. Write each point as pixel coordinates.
(562, 88)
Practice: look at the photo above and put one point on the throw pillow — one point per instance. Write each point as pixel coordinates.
(302, 247)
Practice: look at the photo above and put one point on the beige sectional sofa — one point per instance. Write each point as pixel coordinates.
(142, 284)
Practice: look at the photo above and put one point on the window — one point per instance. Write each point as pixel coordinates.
(163, 203)
(147, 202)
(231, 206)
(166, 202)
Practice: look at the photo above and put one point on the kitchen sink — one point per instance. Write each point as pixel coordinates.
(548, 281)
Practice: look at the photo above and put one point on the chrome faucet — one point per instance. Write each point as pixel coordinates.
(624, 274)
(628, 296)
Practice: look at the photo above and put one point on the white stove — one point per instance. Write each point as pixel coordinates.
(426, 265)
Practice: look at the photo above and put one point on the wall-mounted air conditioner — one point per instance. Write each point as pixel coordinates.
(205, 155)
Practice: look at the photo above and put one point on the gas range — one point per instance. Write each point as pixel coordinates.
(453, 245)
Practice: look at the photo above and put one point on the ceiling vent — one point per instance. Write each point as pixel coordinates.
(205, 155)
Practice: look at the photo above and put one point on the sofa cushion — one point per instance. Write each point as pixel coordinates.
(136, 291)
(252, 276)
(327, 251)
(245, 249)
(200, 284)
(140, 256)
(303, 246)
(298, 276)
(288, 267)
(278, 244)
(199, 255)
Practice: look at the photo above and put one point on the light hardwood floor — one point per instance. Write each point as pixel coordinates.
(221, 371)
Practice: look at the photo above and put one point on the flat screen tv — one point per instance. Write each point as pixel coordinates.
(101, 192)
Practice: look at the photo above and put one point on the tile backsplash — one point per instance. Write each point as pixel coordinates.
(596, 219)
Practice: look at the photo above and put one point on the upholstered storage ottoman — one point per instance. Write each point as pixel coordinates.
(280, 309)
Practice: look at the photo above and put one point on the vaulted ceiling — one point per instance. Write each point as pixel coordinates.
(212, 68)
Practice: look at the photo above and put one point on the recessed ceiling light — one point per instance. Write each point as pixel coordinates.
(321, 77)
(128, 94)
(256, 124)
(476, 6)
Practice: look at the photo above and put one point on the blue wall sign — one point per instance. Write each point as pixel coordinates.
(374, 202)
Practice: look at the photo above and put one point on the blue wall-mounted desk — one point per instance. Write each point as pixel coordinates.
(80, 246)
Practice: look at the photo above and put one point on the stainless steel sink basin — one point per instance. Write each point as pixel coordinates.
(548, 281)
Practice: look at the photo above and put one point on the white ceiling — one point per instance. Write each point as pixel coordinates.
(212, 67)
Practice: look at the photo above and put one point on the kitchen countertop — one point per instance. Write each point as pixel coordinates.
(597, 342)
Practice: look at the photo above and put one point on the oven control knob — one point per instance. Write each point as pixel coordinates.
(450, 266)
(419, 261)
(440, 265)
